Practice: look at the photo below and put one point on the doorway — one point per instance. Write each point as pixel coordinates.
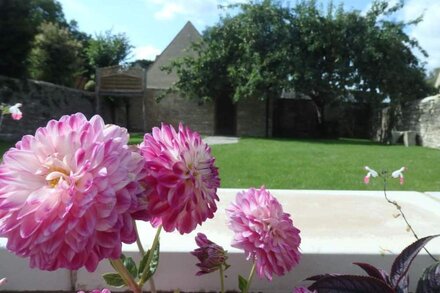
(225, 117)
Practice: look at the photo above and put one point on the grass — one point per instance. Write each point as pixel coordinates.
(323, 164)
(136, 138)
(318, 164)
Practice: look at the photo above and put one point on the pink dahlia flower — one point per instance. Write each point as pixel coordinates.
(211, 256)
(264, 232)
(181, 177)
(67, 193)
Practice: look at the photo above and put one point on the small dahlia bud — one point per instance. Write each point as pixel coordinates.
(210, 255)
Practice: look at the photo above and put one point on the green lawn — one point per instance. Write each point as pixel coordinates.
(318, 164)
(323, 164)
(136, 138)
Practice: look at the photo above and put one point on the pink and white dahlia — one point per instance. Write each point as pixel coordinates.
(67, 193)
(181, 178)
(264, 232)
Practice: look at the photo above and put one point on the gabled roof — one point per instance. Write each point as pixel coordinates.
(180, 46)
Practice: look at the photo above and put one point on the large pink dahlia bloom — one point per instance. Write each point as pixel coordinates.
(181, 177)
(67, 193)
(264, 232)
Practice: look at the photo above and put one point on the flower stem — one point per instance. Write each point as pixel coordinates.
(399, 208)
(150, 257)
(249, 280)
(138, 240)
(125, 275)
(222, 279)
(142, 253)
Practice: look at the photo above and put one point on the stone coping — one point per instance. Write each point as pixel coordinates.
(337, 229)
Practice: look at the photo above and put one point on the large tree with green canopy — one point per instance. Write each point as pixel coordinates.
(328, 55)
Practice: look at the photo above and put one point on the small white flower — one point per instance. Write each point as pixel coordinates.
(3, 281)
(371, 173)
(15, 111)
(399, 174)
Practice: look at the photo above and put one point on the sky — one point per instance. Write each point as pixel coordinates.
(151, 25)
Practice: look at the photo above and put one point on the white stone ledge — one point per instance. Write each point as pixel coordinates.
(337, 229)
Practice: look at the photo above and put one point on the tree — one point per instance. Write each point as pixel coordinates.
(243, 56)
(329, 56)
(143, 63)
(55, 55)
(108, 49)
(47, 11)
(19, 23)
(16, 35)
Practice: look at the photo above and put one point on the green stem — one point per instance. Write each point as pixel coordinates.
(125, 275)
(249, 280)
(142, 252)
(138, 240)
(399, 208)
(150, 257)
(222, 279)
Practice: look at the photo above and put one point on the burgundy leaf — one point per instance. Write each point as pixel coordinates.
(403, 286)
(372, 271)
(430, 280)
(401, 264)
(317, 277)
(348, 283)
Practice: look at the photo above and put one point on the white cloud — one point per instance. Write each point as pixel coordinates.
(201, 11)
(148, 52)
(169, 10)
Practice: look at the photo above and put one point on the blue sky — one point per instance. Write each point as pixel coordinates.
(152, 24)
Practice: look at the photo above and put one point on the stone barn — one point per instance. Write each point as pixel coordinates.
(128, 97)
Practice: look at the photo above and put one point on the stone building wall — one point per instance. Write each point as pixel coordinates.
(251, 118)
(41, 101)
(173, 109)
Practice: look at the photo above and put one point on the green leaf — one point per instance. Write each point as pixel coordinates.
(114, 280)
(242, 283)
(152, 267)
(143, 263)
(130, 265)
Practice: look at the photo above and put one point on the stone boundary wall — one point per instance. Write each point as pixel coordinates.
(421, 116)
(42, 101)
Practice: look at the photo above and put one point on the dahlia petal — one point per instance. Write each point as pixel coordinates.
(22, 160)
(28, 226)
